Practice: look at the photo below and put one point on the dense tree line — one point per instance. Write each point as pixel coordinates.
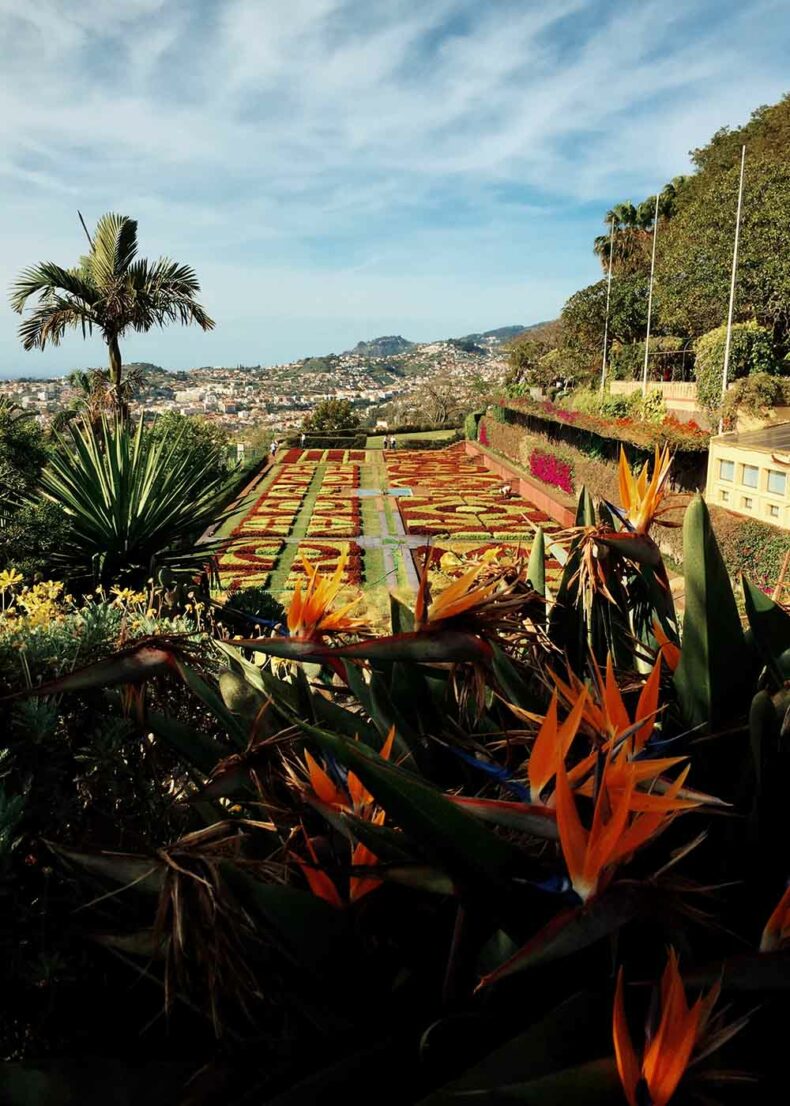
(696, 224)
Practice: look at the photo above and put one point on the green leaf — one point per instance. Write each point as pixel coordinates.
(751, 972)
(540, 821)
(401, 616)
(306, 926)
(593, 1084)
(127, 870)
(513, 679)
(575, 929)
(769, 624)
(574, 1032)
(536, 568)
(194, 747)
(385, 713)
(142, 662)
(585, 510)
(438, 647)
(235, 729)
(713, 679)
(239, 696)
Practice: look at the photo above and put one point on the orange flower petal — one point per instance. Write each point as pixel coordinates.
(627, 1063)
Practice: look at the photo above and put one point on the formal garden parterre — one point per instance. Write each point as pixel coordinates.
(310, 509)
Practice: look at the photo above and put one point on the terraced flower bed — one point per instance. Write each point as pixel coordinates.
(316, 456)
(452, 558)
(456, 495)
(247, 564)
(325, 557)
(311, 508)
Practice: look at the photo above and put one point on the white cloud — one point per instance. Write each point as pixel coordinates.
(321, 136)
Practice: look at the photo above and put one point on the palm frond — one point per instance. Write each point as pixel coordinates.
(51, 279)
(50, 320)
(114, 248)
(165, 291)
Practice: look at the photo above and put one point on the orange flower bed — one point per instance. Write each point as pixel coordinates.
(325, 556)
(247, 563)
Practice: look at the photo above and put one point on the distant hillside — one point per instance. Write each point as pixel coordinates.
(501, 334)
(387, 346)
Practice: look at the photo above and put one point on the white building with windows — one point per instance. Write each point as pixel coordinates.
(749, 473)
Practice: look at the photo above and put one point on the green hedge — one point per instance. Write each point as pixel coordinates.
(600, 439)
(471, 423)
(338, 439)
(748, 545)
(751, 351)
(430, 443)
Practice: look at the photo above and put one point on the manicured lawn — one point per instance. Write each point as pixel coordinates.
(376, 441)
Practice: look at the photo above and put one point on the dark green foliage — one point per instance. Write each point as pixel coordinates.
(258, 602)
(331, 415)
(33, 538)
(23, 452)
(583, 316)
(714, 677)
(205, 443)
(751, 351)
(755, 395)
(696, 245)
(132, 504)
(470, 425)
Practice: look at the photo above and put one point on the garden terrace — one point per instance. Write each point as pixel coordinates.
(603, 438)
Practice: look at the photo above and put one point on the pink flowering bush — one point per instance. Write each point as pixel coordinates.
(551, 470)
(483, 436)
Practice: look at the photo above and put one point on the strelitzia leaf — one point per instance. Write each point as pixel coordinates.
(575, 929)
(125, 869)
(536, 569)
(142, 662)
(593, 1084)
(540, 821)
(440, 647)
(572, 1033)
(305, 924)
(714, 676)
(770, 627)
(197, 748)
(401, 616)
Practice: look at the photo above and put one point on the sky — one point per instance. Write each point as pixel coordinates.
(339, 169)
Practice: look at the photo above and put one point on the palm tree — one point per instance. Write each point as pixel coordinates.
(110, 290)
(94, 396)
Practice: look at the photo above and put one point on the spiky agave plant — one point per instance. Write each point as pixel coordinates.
(134, 504)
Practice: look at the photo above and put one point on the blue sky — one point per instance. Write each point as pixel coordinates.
(338, 169)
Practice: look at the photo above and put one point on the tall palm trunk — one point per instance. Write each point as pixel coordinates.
(116, 370)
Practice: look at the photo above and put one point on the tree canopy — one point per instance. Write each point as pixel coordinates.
(330, 415)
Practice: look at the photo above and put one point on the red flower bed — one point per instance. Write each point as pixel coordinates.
(324, 556)
(644, 435)
(551, 470)
(292, 456)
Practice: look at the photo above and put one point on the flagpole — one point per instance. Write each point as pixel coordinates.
(650, 296)
(732, 286)
(608, 295)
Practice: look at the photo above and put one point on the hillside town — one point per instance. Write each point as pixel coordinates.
(243, 398)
